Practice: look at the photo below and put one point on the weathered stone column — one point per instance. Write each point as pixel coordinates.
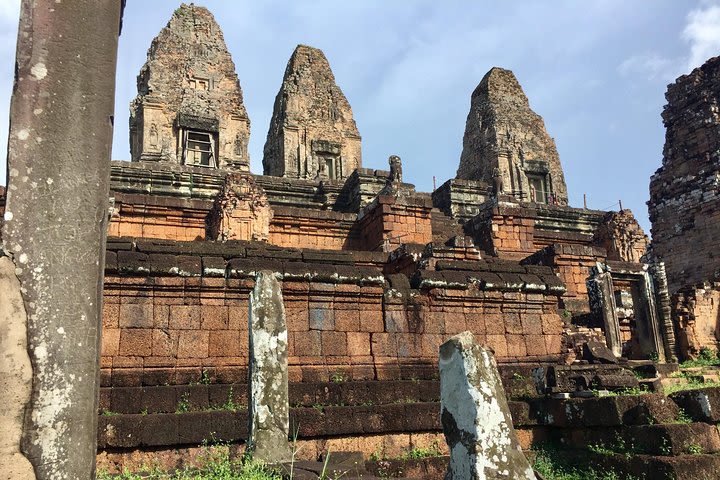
(602, 301)
(475, 415)
(268, 396)
(55, 220)
(657, 270)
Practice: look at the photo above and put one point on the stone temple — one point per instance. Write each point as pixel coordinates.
(312, 132)
(375, 276)
(189, 109)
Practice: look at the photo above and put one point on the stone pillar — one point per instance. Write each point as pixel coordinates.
(657, 270)
(647, 293)
(475, 415)
(61, 118)
(602, 301)
(268, 385)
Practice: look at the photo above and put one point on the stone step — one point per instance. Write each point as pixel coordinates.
(680, 467)
(664, 439)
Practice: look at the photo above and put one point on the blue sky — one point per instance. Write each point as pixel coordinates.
(595, 70)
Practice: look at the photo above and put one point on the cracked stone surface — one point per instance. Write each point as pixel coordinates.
(475, 415)
(684, 195)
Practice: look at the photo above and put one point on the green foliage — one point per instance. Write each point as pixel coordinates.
(215, 464)
(683, 417)
(205, 378)
(107, 413)
(338, 377)
(549, 462)
(706, 358)
(665, 448)
(517, 376)
(630, 391)
(417, 453)
(230, 404)
(183, 404)
(694, 449)
(618, 447)
(691, 383)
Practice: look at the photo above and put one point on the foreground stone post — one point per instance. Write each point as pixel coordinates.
(55, 224)
(268, 396)
(475, 415)
(602, 301)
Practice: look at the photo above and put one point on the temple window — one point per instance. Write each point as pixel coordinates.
(330, 167)
(538, 188)
(199, 83)
(199, 149)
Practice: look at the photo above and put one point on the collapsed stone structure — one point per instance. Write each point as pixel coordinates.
(375, 275)
(684, 205)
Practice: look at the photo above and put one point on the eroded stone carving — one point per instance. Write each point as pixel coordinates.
(241, 211)
(312, 132)
(189, 96)
(268, 396)
(622, 236)
(475, 415)
(506, 144)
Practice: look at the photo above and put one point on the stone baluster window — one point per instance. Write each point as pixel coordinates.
(199, 149)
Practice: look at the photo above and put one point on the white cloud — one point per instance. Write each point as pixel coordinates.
(651, 65)
(702, 31)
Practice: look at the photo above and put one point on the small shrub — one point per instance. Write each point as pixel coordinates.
(417, 453)
(683, 417)
(183, 404)
(338, 377)
(694, 449)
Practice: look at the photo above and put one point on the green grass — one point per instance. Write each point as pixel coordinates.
(707, 358)
(549, 462)
(418, 453)
(214, 465)
(692, 384)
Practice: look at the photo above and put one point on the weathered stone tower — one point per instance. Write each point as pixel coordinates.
(312, 132)
(506, 144)
(684, 204)
(189, 109)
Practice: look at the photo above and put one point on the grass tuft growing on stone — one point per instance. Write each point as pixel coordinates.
(706, 358)
(214, 465)
(552, 465)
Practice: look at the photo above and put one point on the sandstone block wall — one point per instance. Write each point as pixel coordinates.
(391, 221)
(174, 309)
(697, 312)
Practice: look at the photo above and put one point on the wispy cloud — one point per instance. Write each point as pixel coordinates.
(702, 34)
(702, 31)
(651, 65)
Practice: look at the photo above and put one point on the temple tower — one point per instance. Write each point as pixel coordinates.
(189, 109)
(312, 132)
(684, 200)
(506, 144)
